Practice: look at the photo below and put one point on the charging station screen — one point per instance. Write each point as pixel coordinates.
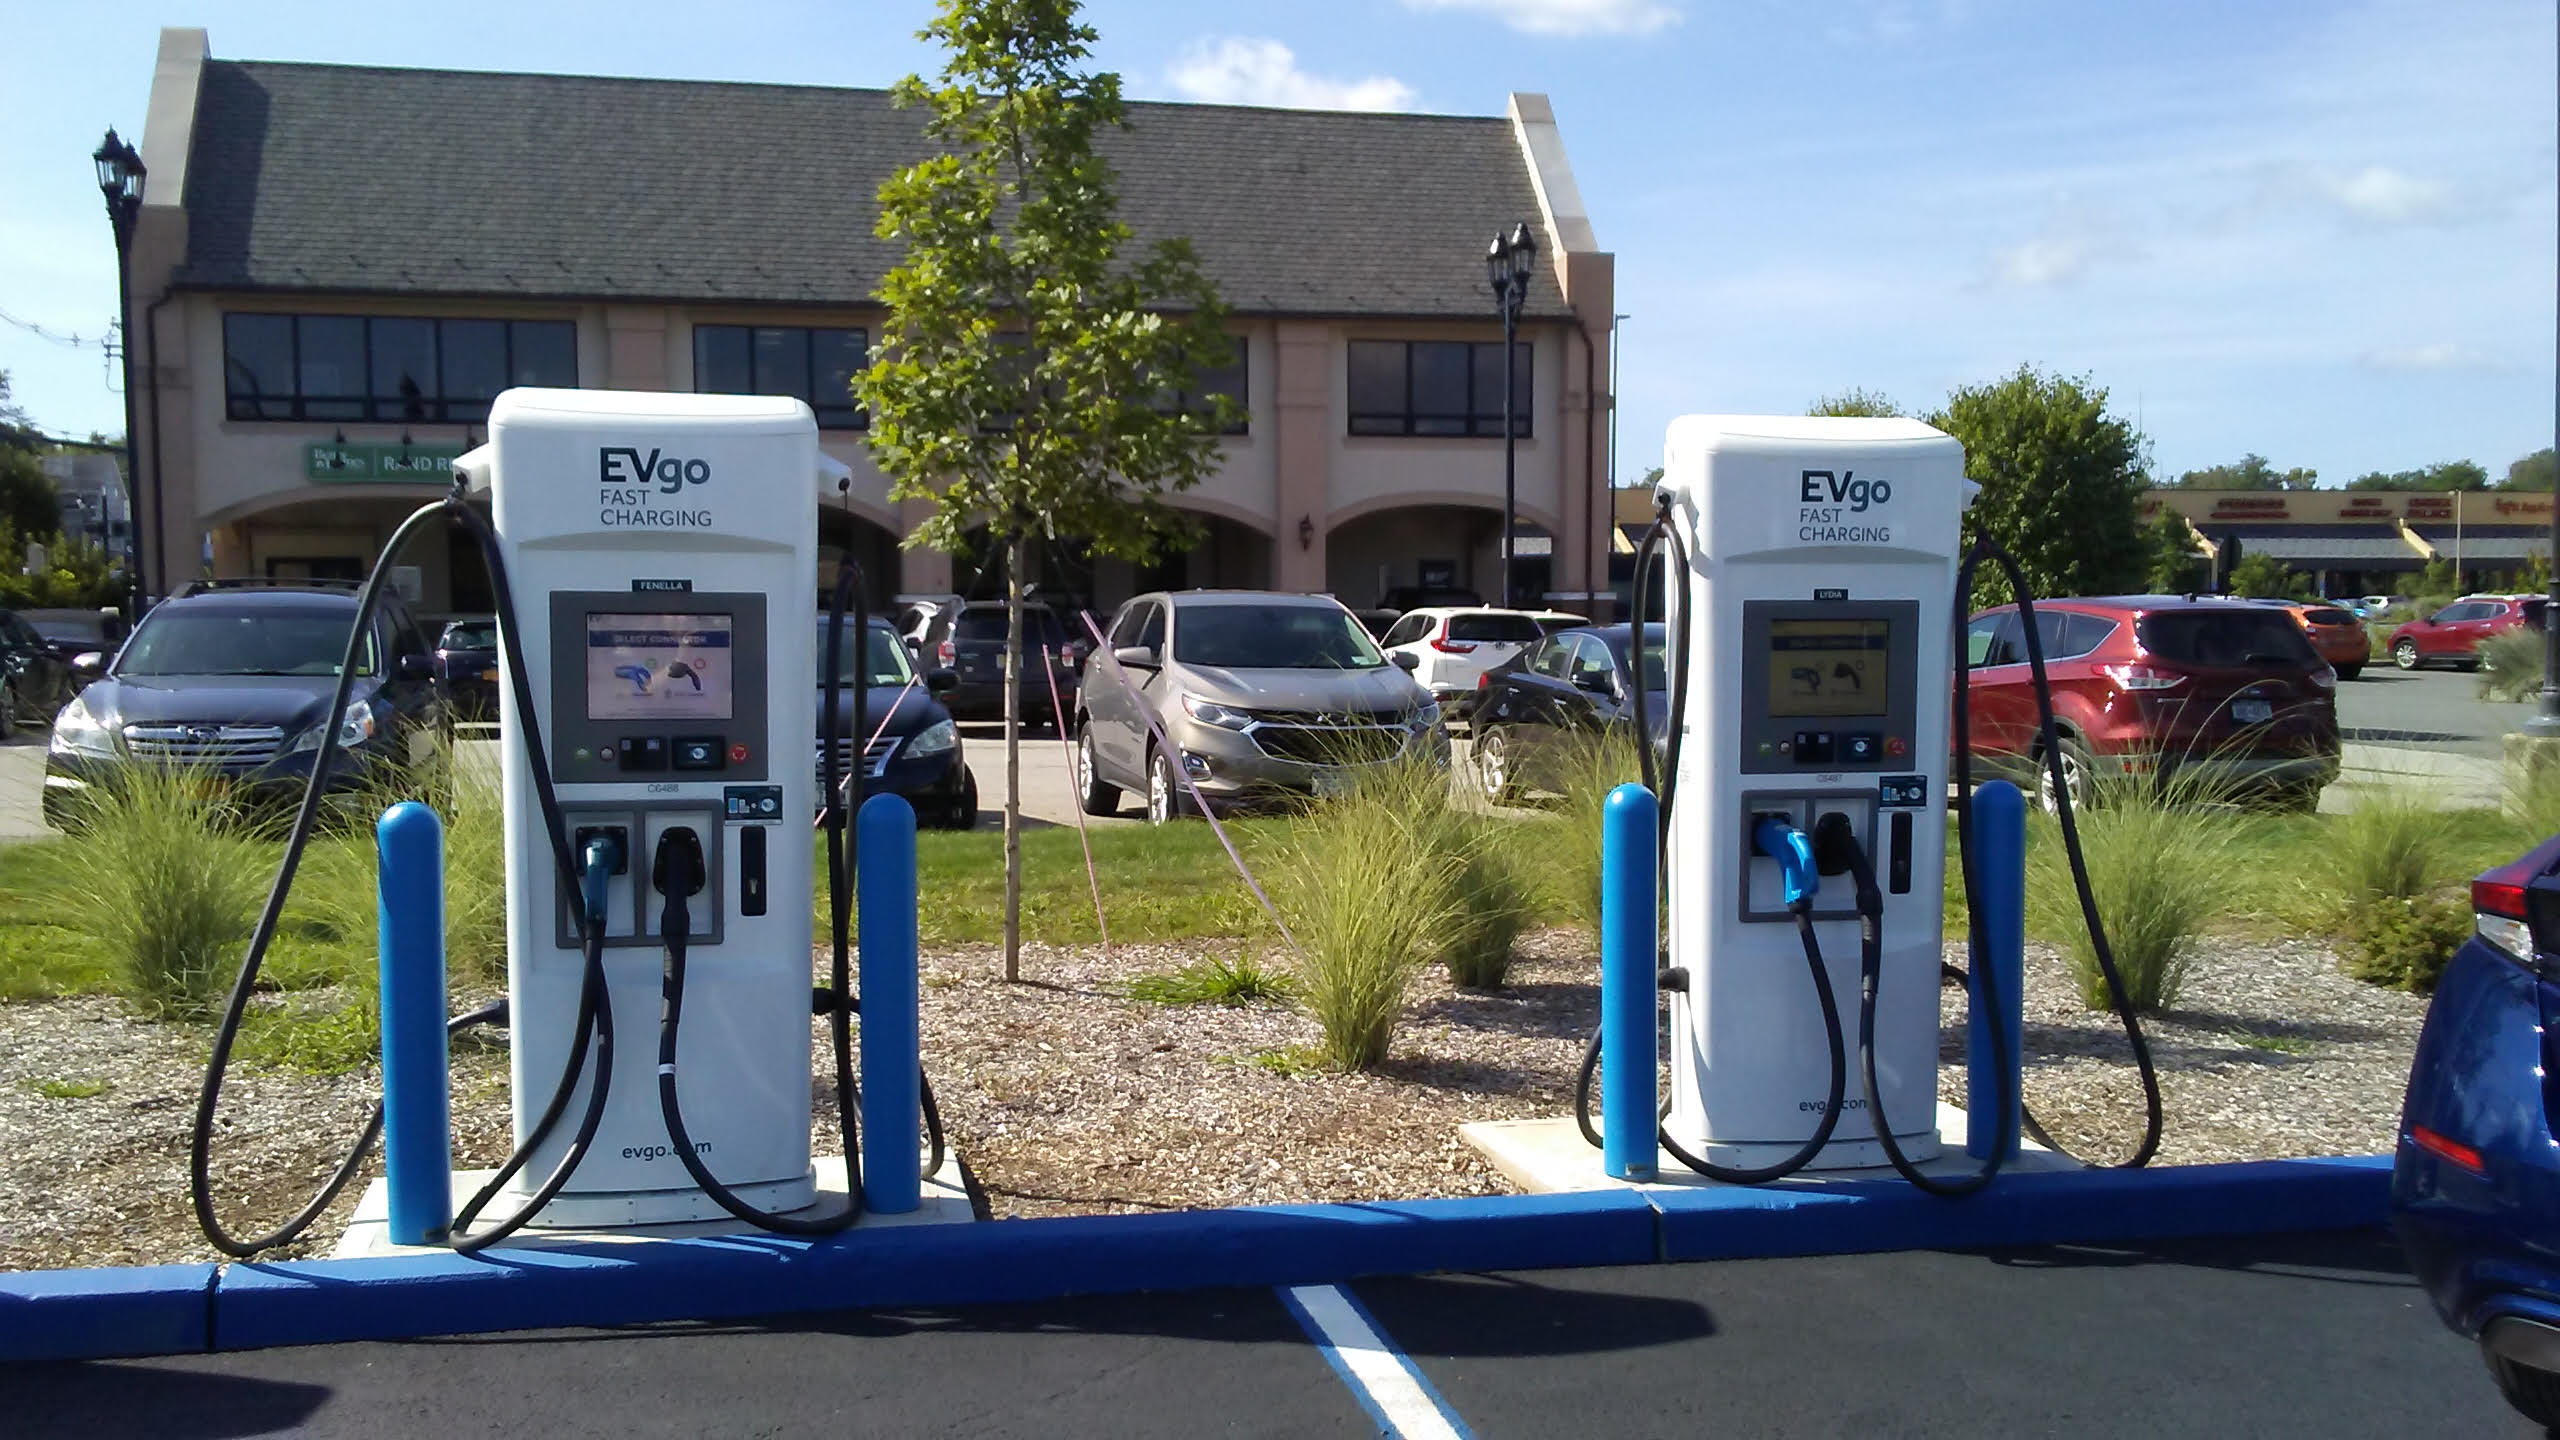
(1830, 667)
(658, 667)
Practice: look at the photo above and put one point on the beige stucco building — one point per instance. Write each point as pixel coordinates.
(336, 267)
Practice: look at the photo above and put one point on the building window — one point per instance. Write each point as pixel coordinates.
(816, 366)
(398, 369)
(1228, 379)
(1436, 387)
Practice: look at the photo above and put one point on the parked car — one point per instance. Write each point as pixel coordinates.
(1414, 597)
(910, 746)
(923, 620)
(467, 666)
(2475, 1180)
(2225, 692)
(973, 649)
(235, 677)
(72, 633)
(1259, 697)
(1566, 689)
(2453, 635)
(2371, 605)
(1552, 621)
(1377, 622)
(35, 682)
(1452, 648)
(2337, 634)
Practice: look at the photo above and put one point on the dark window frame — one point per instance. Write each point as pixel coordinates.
(1367, 420)
(1193, 399)
(258, 405)
(845, 415)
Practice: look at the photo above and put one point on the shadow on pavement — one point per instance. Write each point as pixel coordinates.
(2339, 1257)
(94, 1398)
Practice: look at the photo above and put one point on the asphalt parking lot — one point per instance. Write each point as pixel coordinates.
(2309, 1335)
(2427, 710)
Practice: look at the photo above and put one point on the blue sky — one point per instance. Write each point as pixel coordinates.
(2323, 232)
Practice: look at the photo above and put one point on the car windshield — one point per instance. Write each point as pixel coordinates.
(1514, 629)
(71, 627)
(1273, 637)
(233, 642)
(1039, 627)
(471, 635)
(2232, 638)
(2329, 615)
(888, 656)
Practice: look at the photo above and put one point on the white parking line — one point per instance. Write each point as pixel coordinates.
(1381, 1378)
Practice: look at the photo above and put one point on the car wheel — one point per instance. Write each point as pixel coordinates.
(2349, 671)
(1494, 770)
(1164, 790)
(10, 715)
(2534, 1393)
(963, 812)
(2079, 771)
(2405, 654)
(1096, 797)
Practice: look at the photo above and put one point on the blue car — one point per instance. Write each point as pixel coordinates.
(2475, 1184)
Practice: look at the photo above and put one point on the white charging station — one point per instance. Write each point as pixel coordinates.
(663, 554)
(1822, 560)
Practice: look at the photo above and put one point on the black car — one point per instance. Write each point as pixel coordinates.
(974, 651)
(72, 633)
(910, 747)
(466, 665)
(35, 680)
(1569, 687)
(235, 677)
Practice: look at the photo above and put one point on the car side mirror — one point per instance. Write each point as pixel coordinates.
(941, 682)
(414, 667)
(88, 665)
(1405, 660)
(1140, 657)
(1596, 684)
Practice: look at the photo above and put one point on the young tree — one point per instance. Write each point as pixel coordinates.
(1856, 400)
(1027, 362)
(2175, 566)
(2264, 577)
(2061, 482)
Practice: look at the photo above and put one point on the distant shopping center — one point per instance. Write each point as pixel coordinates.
(2359, 542)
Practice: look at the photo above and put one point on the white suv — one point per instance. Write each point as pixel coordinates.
(1453, 646)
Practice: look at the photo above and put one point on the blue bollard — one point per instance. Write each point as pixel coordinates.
(417, 1135)
(1629, 960)
(1991, 1077)
(892, 1072)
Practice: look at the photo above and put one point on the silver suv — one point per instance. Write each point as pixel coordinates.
(1255, 696)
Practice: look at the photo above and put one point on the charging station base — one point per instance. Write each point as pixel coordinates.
(946, 1202)
(1549, 1157)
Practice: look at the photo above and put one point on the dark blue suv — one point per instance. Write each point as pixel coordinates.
(2475, 1184)
(235, 677)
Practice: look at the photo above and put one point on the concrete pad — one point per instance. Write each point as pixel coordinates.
(946, 1202)
(1548, 1157)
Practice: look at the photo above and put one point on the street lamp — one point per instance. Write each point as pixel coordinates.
(120, 177)
(1508, 263)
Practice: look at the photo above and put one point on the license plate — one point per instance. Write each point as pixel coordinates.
(2253, 712)
(490, 674)
(1329, 783)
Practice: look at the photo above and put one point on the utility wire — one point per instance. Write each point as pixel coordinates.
(104, 342)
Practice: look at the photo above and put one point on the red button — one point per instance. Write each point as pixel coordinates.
(737, 754)
(1894, 746)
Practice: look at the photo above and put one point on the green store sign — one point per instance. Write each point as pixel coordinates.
(396, 464)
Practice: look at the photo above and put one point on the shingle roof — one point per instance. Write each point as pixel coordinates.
(342, 178)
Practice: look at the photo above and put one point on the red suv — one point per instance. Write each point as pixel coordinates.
(2453, 634)
(2147, 685)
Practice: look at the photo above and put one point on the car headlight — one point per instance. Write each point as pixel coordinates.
(934, 739)
(1210, 712)
(78, 732)
(1423, 716)
(354, 728)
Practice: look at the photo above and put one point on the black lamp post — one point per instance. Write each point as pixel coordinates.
(1508, 263)
(120, 177)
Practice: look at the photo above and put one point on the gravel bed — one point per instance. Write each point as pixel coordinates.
(1064, 1096)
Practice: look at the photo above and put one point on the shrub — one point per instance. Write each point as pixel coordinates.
(2390, 846)
(1587, 769)
(2533, 799)
(2161, 872)
(2405, 943)
(337, 890)
(2511, 665)
(1213, 980)
(161, 877)
(1490, 899)
(1368, 897)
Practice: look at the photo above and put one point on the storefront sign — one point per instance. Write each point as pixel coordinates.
(394, 463)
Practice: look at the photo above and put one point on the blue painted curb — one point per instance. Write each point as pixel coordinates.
(318, 1301)
(1839, 1217)
(97, 1314)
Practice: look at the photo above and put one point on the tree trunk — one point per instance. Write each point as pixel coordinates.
(1013, 562)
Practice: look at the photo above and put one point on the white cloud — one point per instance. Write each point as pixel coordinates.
(2439, 356)
(2389, 197)
(1567, 17)
(1241, 70)
(2069, 245)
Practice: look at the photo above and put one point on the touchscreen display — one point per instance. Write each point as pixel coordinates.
(658, 667)
(1829, 667)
